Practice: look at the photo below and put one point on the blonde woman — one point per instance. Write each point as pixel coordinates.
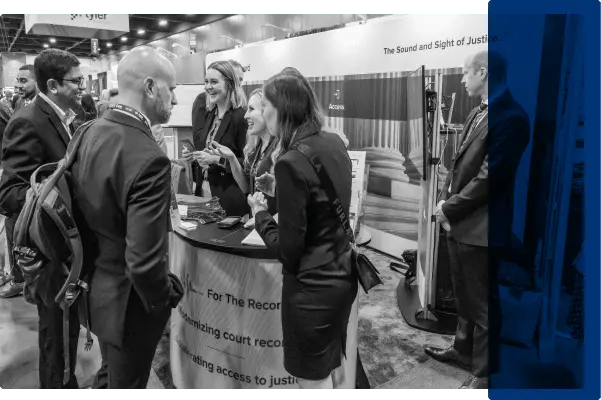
(224, 125)
(257, 153)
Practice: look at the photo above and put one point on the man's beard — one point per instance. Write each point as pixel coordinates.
(163, 109)
(29, 95)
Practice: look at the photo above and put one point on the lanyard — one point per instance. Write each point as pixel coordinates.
(131, 111)
(259, 155)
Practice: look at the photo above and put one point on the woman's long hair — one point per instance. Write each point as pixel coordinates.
(89, 107)
(252, 140)
(235, 97)
(297, 106)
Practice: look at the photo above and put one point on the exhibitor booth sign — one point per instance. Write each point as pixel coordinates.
(227, 331)
(101, 26)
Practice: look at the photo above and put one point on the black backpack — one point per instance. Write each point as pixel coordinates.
(47, 244)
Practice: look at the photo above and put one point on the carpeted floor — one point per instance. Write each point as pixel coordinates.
(390, 349)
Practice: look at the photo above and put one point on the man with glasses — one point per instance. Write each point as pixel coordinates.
(25, 86)
(37, 135)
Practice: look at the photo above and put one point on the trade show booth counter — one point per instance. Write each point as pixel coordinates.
(227, 330)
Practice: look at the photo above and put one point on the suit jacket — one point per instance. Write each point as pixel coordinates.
(308, 233)
(482, 176)
(199, 108)
(19, 104)
(231, 133)
(5, 114)
(121, 184)
(33, 137)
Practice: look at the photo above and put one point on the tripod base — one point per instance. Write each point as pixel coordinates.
(417, 317)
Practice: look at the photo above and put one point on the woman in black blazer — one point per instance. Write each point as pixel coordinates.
(319, 283)
(224, 124)
(258, 163)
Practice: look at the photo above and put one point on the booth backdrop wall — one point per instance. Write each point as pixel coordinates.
(360, 76)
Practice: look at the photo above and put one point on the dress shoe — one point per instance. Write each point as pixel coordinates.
(448, 356)
(475, 383)
(5, 279)
(11, 289)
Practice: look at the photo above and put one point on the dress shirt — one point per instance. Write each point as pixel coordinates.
(66, 118)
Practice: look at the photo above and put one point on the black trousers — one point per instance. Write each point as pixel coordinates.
(50, 340)
(128, 366)
(361, 380)
(474, 276)
(9, 224)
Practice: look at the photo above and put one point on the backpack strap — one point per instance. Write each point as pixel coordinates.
(62, 165)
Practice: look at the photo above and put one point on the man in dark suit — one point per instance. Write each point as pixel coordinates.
(477, 212)
(122, 195)
(26, 86)
(37, 135)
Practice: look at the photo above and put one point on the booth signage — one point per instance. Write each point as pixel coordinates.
(192, 41)
(102, 26)
(226, 333)
(371, 61)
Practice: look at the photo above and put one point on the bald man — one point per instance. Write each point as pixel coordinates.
(122, 183)
(477, 211)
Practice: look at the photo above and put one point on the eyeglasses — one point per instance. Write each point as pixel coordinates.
(78, 81)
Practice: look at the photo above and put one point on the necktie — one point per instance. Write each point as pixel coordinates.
(477, 119)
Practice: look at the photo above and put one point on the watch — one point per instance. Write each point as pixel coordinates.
(222, 162)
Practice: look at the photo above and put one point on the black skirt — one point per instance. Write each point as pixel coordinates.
(316, 306)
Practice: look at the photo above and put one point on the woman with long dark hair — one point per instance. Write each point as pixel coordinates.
(319, 283)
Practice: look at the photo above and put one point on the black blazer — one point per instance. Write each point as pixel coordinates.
(308, 233)
(5, 114)
(33, 137)
(231, 133)
(199, 109)
(121, 184)
(483, 175)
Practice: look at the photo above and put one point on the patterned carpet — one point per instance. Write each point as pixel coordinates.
(389, 347)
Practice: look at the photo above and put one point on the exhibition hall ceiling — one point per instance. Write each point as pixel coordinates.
(143, 28)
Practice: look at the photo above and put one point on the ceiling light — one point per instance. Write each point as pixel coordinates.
(163, 22)
(141, 31)
(109, 44)
(52, 40)
(46, 45)
(124, 38)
